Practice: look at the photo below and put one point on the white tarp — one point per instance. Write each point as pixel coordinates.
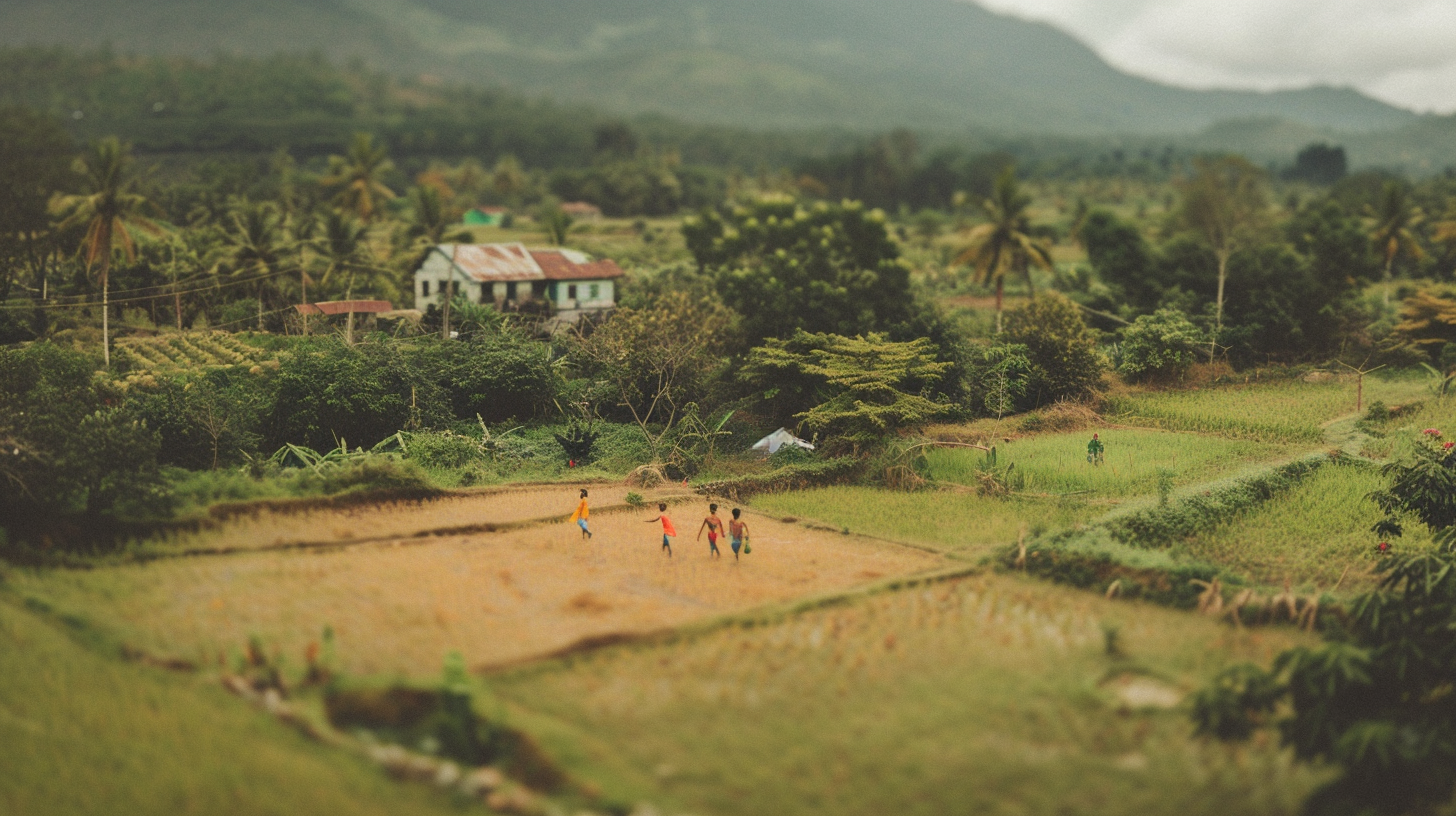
(770, 444)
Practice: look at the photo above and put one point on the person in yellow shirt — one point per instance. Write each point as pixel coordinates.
(581, 514)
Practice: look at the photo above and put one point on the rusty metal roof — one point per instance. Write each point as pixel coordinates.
(336, 307)
(494, 262)
(558, 266)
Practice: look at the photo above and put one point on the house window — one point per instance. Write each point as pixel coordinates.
(424, 288)
(571, 291)
(594, 291)
(485, 294)
(511, 291)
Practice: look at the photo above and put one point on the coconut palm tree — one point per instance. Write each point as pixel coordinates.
(358, 176)
(1004, 243)
(1392, 223)
(341, 243)
(257, 247)
(108, 210)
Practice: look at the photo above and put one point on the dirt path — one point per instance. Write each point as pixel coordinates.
(399, 606)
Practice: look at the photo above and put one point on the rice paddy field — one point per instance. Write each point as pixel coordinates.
(928, 701)
(861, 660)
(959, 522)
(1312, 536)
(1283, 411)
(398, 606)
(1057, 463)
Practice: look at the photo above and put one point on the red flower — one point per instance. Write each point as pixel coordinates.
(1383, 546)
(1431, 432)
(1448, 445)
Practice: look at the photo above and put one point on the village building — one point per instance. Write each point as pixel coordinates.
(582, 211)
(511, 277)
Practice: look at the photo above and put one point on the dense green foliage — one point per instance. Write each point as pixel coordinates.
(69, 447)
(1159, 346)
(784, 266)
(1065, 362)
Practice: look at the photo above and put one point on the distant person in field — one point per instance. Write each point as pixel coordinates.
(714, 526)
(669, 532)
(581, 514)
(737, 532)
(1095, 450)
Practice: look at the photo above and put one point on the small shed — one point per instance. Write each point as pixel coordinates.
(485, 217)
(770, 444)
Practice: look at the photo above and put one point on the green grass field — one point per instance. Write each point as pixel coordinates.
(1285, 411)
(927, 701)
(1057, 463)
(1310, 535)
(944, 520)
(84, 733)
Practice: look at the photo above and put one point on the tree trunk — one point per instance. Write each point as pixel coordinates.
(1389, 263)
(260, 307)
(1000, 286)
(105, 274)
(349, 325)
(1218, 309)
(303, 288)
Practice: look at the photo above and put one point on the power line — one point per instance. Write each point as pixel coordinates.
(86, 303)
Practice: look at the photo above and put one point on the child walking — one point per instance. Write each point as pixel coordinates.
(714, 526)
(737, 532)
(581, 514)
(668, 531)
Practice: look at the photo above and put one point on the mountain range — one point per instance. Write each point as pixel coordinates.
(941, 65)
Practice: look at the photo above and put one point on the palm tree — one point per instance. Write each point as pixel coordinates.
(1392, 223)
(1004, 243)
(107, 209)
(358, 176)
(341, 243)
(257, 247)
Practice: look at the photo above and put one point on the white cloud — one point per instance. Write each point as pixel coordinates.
(1403, 51)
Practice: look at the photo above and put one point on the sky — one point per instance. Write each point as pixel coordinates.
(1401, 51)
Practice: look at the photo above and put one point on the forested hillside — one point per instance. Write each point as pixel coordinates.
(927, 64)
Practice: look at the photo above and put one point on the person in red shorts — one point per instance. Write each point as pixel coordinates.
(714, 526)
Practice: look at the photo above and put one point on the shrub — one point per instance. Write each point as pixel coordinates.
(70, 448)
(328, 391)
(1063, 353)
(1423, 485)
(1159, 346)
(499, 376)
(1376, 701)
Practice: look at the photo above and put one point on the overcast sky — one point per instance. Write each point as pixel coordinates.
(1402, 51)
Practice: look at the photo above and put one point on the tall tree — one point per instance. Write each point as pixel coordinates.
(1224, 203)
(358, 176)
(35, 155)
(257, 247)
(341, 243)
(1392, 223)
(1004, 243)
(107, 210)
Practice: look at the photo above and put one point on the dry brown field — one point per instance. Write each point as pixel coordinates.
(399, 605)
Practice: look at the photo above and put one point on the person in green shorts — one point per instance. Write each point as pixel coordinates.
(737, 532)
(1094, 450)
(669, 532)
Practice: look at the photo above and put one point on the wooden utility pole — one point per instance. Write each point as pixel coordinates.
(1360, 381)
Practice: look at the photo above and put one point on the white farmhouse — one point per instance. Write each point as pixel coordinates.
(510, 276)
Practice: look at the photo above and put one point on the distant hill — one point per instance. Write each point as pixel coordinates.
(859, 64)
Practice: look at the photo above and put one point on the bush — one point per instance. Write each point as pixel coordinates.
(501, 376)
(1159, 346)
(328, 392)
(1063, 353)
(69, 448)
(207, 421)
(1423, 485)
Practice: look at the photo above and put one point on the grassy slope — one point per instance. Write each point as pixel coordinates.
(926, 701)
(1056, 463)
(961, 522)
(1309, 535)
(84, 734)
(1288, 411)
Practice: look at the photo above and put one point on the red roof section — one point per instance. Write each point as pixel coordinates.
(336, 307)
(557, 266)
